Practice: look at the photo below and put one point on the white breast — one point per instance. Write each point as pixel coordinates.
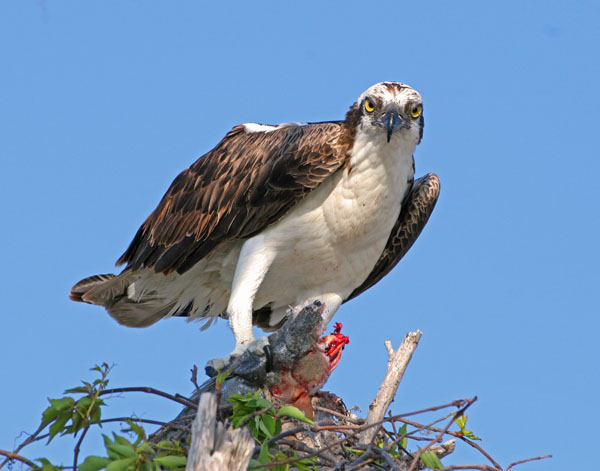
(330, 242)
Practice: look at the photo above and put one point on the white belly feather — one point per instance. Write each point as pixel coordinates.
(331, 241)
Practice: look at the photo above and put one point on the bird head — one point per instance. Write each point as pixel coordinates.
(389, 110)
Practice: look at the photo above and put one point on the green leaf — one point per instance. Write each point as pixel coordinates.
(62, 404)
(260, 425)
(255, 463)
(263, 403)
(49, 415)
(354, 450)
(236, 420)
(171, 461)
(76, 422)
(94, 463)
(96, 415)
(137, 429)
(121, 465)
(78, 389)
(47, 466)
(84, 402)
(430, 460)
(404, 441)
(221, 377)
(294, 413)
(462, 422)
(263, 456)
(102, 369)
(57, 406)
(305, 464)
(145, 448)
(269, 425)
(107, 444)
(237, 398)
(123, 451)
(252, 404)
(58, 426)
(122, 440)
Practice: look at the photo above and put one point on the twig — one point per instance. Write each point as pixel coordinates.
(32, 438)
(483, 467)
(440, 435)
(194, 378)
(457, 403)
(388, 459)
(341, 416)
(150, 421)
(10, 456)
(527, 460)
(256, 413)
(76, 449)
(287, 433)
(296, 445)
(361, 460)
(457, 435)
(177, 398)
(397, 364)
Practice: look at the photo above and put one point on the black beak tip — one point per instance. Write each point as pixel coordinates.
(392, 120)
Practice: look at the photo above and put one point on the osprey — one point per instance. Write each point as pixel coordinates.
(276, 217)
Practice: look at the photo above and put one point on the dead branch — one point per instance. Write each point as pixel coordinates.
(397, 363)
(215, 447)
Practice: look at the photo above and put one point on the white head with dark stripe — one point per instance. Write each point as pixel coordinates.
(389, 110)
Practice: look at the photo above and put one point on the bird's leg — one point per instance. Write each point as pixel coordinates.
(332, 302)
(253, 264)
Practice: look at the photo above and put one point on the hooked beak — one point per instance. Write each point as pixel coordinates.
(393, 120)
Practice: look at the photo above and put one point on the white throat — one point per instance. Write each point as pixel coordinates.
(372, 149)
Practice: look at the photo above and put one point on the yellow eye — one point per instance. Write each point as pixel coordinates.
(416, 111)
(369, 106)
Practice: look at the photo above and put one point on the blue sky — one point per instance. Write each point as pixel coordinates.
(102, 104)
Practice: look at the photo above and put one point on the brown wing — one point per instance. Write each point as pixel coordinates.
(416, 209)
(248, 181)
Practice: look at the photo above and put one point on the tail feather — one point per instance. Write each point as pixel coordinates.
(110, 291)
(139, 314)
(87, 284)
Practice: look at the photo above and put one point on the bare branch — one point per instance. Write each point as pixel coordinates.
(397, 364)
(214, 447)
(527, 460)
(10, 456)
(175, 398)
(76, 450)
